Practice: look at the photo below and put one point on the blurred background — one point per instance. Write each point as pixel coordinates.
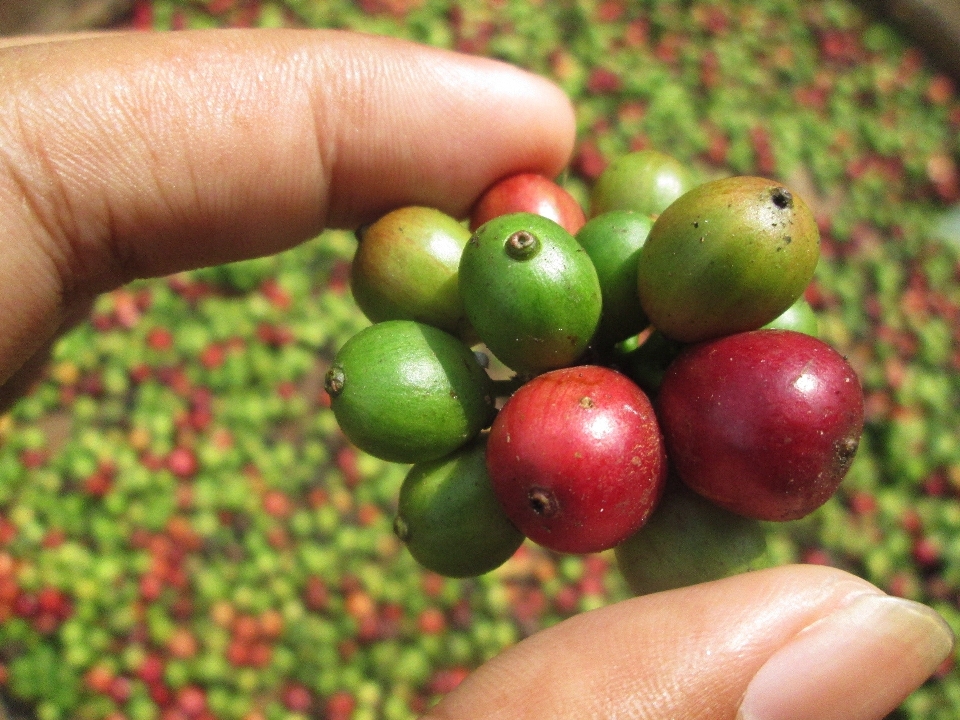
(185, 533)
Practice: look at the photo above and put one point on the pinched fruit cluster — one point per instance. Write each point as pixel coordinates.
(666, 391)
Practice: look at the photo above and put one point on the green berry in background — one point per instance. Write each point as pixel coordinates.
(450, 519)
(799, 317)
(531, 292)
(613, 241)
(407, 392)
(644, 181)
(689, 540)
(405, 268)
(728, 256)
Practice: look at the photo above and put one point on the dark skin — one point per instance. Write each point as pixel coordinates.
(129, 156)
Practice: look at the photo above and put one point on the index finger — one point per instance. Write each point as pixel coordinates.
(134, 155)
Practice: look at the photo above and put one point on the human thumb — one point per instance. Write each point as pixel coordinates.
(790, 643)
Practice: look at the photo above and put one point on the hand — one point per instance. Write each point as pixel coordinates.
(128, 156)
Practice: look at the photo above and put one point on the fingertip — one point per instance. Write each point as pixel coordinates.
(553, 119)
(689, 653)
(442, 128)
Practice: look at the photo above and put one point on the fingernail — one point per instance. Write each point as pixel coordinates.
(858, 663)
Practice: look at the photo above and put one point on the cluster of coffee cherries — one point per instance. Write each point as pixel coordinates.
(664, 391)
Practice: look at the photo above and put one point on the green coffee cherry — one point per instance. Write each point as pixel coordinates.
(613, 241)
(645, 181)
(689, 540)
(530, 291)
(450, 519)
(408, 392)
(799, 317)
(646, 364)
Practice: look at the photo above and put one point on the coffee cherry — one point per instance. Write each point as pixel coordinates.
(764, 423)
(613, 241)
(530, 291)
(576, 459)
(647, 363)
(726, 257)
(405, 268)
(645, 181)
(450, 519)
(798, 317)
(531, 193)
(408, 392)
(690, 540)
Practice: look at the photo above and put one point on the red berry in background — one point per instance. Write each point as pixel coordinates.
(764, 423)
(340, 705)
(160, 339)
(531, 193)
(182, 462)
(297, 698)
(151, 669)
(576, 459)
(192, 700)
(120, 689)
(99, 678)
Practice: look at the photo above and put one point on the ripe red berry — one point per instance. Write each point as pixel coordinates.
(577, 459)
(531, 193)
(340, 705)
(160, 339)
(192, 700)
(764, 423)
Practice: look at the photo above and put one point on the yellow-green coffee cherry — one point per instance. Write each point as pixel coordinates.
(644, 181)
(405, 268)
(726, 257)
